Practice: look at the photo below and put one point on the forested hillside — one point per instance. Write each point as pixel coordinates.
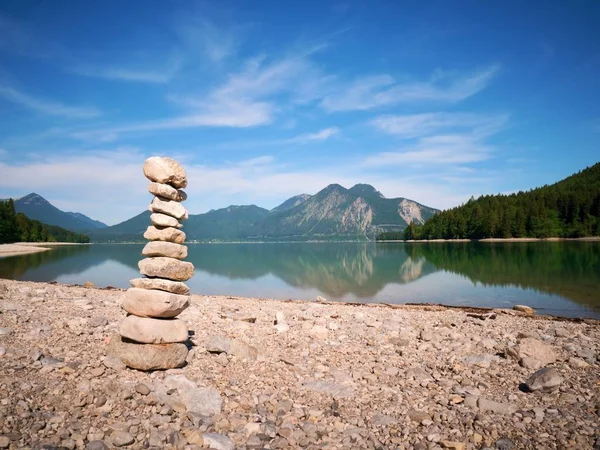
(18, 227)
(569, 208)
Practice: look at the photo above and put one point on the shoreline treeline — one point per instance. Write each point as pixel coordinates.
(19, 228)
(567, 209)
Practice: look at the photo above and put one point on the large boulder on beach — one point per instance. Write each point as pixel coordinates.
(161, 284)
(199, 400)
(163, 267)
(530, 349)
(153, 331)
(168, 249)
(545, 380)
(169, 207)
(524, 309)
(165, 170)
(234, 347)
(169, 234)
(167, 192)
(151, 303)
(147, 356)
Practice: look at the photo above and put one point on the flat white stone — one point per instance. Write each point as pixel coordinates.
(168, 234)
(163, 267)
(166, 191)
(169, 207)
(153, 303)
(163, 248)
(153, 331)
(163, 220)
(176, 287)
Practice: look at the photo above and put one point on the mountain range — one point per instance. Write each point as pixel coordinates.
(37, 207)
(334, 213)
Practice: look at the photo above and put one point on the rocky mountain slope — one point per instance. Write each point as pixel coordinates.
(291, 203)
(359, 212)
(333, 213)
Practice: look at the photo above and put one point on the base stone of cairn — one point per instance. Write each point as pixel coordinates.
(147, 356)
(151, 337)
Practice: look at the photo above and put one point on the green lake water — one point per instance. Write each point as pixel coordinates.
(559, 278)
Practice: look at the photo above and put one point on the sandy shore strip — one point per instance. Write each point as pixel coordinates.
(20, 249)
(50, 244)
(291, 374)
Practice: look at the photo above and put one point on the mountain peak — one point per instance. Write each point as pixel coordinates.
(36, 207)
(291, 203)
(365, 189)
(34, 198)
(334, 187)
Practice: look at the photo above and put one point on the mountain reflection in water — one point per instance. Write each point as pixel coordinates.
(551, 274)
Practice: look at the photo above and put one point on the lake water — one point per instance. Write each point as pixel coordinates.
(560, 278)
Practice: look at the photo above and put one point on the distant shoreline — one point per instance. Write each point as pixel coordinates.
(554, 239)
(35, 247)
(24, 248)
(49, 244)
(7, 250)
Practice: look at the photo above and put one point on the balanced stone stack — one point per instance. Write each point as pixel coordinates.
(151, 337)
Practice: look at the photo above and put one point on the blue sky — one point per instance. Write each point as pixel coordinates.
(435, 101)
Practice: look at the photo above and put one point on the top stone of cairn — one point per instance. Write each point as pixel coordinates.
(165, 170)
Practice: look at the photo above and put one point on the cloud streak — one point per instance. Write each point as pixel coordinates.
(318, 136)
(140, 71)
(248, 98)
(215, 43)
(128, 74)
(46, 106)
(417, 125)
(438, 138)
(383, 90)
(435, 150)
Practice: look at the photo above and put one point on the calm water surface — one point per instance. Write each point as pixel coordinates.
(561, 278)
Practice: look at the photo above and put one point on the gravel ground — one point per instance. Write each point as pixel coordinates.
(317, 375)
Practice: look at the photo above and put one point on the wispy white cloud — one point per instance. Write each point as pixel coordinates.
(247, 98)
(416, 125)
(98, 174)
(383, 90)
(198, 40)
(300, 139)
(441, 138)
(152, 76)
(322, 135)
(232, 114)
(18, 37)
(46, 106)
(436, 150)
(216, 43)
(258, 161)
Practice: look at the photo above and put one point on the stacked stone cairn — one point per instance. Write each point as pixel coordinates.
(151, 336)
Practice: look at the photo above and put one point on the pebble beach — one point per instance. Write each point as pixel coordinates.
(274, 374)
